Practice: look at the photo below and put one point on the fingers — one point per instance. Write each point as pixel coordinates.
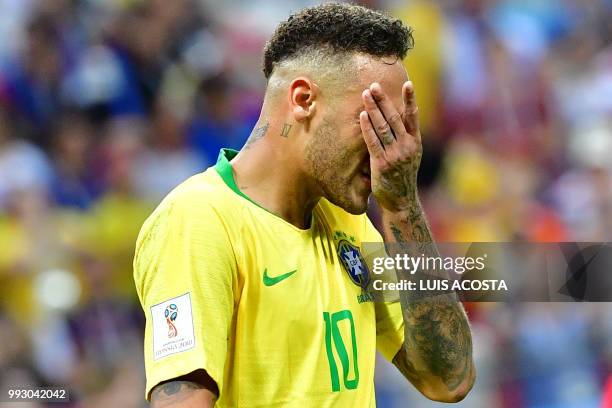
(378, 121)
(411, 112)
(375, 148)
(384, 129)
(391, 115)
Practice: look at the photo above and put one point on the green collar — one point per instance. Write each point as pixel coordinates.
(224, 168)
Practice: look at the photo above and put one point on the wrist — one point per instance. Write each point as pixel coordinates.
(403, 207)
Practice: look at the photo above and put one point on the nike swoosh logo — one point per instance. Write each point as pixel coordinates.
(273, 280)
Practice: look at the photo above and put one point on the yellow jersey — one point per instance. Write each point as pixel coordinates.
(276, 315)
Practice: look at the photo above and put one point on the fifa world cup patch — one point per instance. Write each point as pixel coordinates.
(173, 330)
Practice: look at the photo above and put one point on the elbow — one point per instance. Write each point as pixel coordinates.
(456, 395)
(463, 389)
(438, 391)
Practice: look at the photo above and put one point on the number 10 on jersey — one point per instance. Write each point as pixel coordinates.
(336, 346)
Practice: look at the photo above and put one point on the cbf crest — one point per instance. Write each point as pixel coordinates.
(351, 259)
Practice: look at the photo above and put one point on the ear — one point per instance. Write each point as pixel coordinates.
(303, 94)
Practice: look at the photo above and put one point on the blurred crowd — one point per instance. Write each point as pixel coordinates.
(105, 105)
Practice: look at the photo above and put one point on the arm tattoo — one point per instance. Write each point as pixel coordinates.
(257, 134)
(286, 129)
(436, 327)
(440, 334)
(172, 392)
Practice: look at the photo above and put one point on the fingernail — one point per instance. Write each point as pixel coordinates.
(375, 87)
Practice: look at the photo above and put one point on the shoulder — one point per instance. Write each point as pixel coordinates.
(201, 206)
(206, 188)
(199, 198)
(192, 222)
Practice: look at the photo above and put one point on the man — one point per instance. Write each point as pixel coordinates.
(251, 273)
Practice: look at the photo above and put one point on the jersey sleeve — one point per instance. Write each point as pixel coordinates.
(389, 317)
(184, 270)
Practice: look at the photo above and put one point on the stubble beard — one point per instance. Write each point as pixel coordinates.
(326, 161)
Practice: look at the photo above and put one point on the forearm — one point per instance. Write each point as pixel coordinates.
(194, 390)
(437, 352)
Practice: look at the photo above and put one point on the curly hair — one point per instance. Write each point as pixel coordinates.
(339, 28)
